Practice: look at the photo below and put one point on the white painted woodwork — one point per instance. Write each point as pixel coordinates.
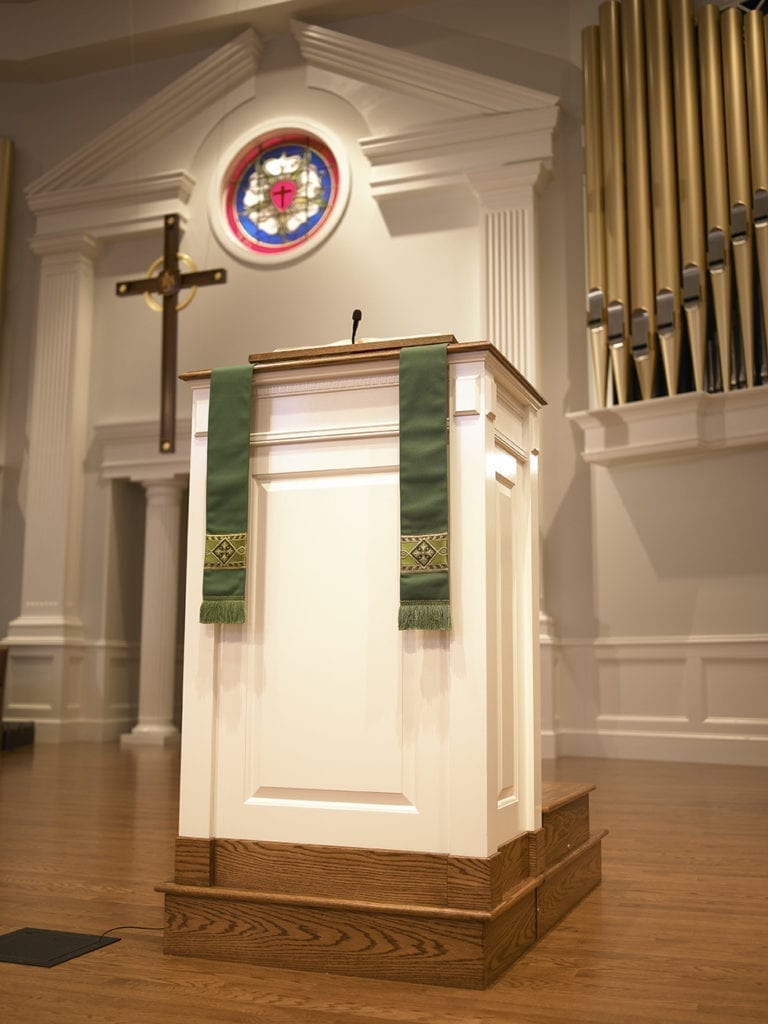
(210, 83)
(81, 691)
(130, 451)
(508, 197)
(158, 616)
(412, 74)
(673, 426)
(318, 721)
(57, 437)
(671, 698)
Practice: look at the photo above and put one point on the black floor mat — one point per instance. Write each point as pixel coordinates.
(40, 947)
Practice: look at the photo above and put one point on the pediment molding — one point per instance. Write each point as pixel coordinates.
(500, 125)
(203, 86)
(412, 75)
(505, 130)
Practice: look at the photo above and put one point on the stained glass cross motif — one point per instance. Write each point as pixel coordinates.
(282, 194)
(168, 283)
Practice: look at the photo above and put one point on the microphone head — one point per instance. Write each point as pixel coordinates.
(357, 316)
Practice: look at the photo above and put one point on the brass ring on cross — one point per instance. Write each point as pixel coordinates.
(152, 301)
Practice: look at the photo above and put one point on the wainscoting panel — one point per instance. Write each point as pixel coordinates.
(98, 701)
(700, 699)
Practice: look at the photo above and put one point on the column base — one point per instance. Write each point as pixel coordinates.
(151, 736)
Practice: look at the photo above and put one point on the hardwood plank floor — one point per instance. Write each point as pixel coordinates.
(676, 934)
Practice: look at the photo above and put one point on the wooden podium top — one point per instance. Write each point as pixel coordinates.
(326, 355)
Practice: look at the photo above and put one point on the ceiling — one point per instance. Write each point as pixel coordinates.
(45, 40)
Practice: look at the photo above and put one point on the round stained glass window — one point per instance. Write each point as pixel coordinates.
(282, 191)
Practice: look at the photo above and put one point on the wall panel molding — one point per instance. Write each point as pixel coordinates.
(700, 698)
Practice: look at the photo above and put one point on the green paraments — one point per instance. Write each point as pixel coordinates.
(226, 502)
(424, 585)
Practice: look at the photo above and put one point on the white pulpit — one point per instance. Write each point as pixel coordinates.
(355, 798)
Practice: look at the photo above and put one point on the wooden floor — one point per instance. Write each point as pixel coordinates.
(677, 933)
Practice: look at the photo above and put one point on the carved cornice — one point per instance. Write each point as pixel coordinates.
(199, 88)
(412, 75)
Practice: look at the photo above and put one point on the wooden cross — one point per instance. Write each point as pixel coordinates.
(168, 283)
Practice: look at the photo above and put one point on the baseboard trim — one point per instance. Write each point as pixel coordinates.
(750, 751)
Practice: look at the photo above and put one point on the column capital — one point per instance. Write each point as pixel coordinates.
(129, 451)
(77, 244)
(512, 186)
(164, 488)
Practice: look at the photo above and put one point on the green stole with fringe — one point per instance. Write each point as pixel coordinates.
(424, 585)
(226, 499)
(424, 589)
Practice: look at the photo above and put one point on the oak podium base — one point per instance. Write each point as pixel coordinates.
(419, 917)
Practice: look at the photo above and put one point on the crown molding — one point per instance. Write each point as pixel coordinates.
(408, 73)
(201, 87)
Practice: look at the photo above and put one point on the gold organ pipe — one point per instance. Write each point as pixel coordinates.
(638, 196)
(716, 181)
(593, 159)
(739, 184)
(757, 96)
(666, 241)
(690, 184)
(614, 193)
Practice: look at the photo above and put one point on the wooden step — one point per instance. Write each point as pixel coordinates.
(428, 918)
(571, 852)
(564, 819)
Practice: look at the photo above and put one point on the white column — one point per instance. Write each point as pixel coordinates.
(46, 661)
(159, 615)
(508, 197)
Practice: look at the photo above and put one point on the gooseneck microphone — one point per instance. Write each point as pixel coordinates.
(357, 316)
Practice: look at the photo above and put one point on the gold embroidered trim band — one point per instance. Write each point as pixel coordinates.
(225, 550)
(426, 552)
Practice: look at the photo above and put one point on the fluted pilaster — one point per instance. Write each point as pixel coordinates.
(508, 196)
